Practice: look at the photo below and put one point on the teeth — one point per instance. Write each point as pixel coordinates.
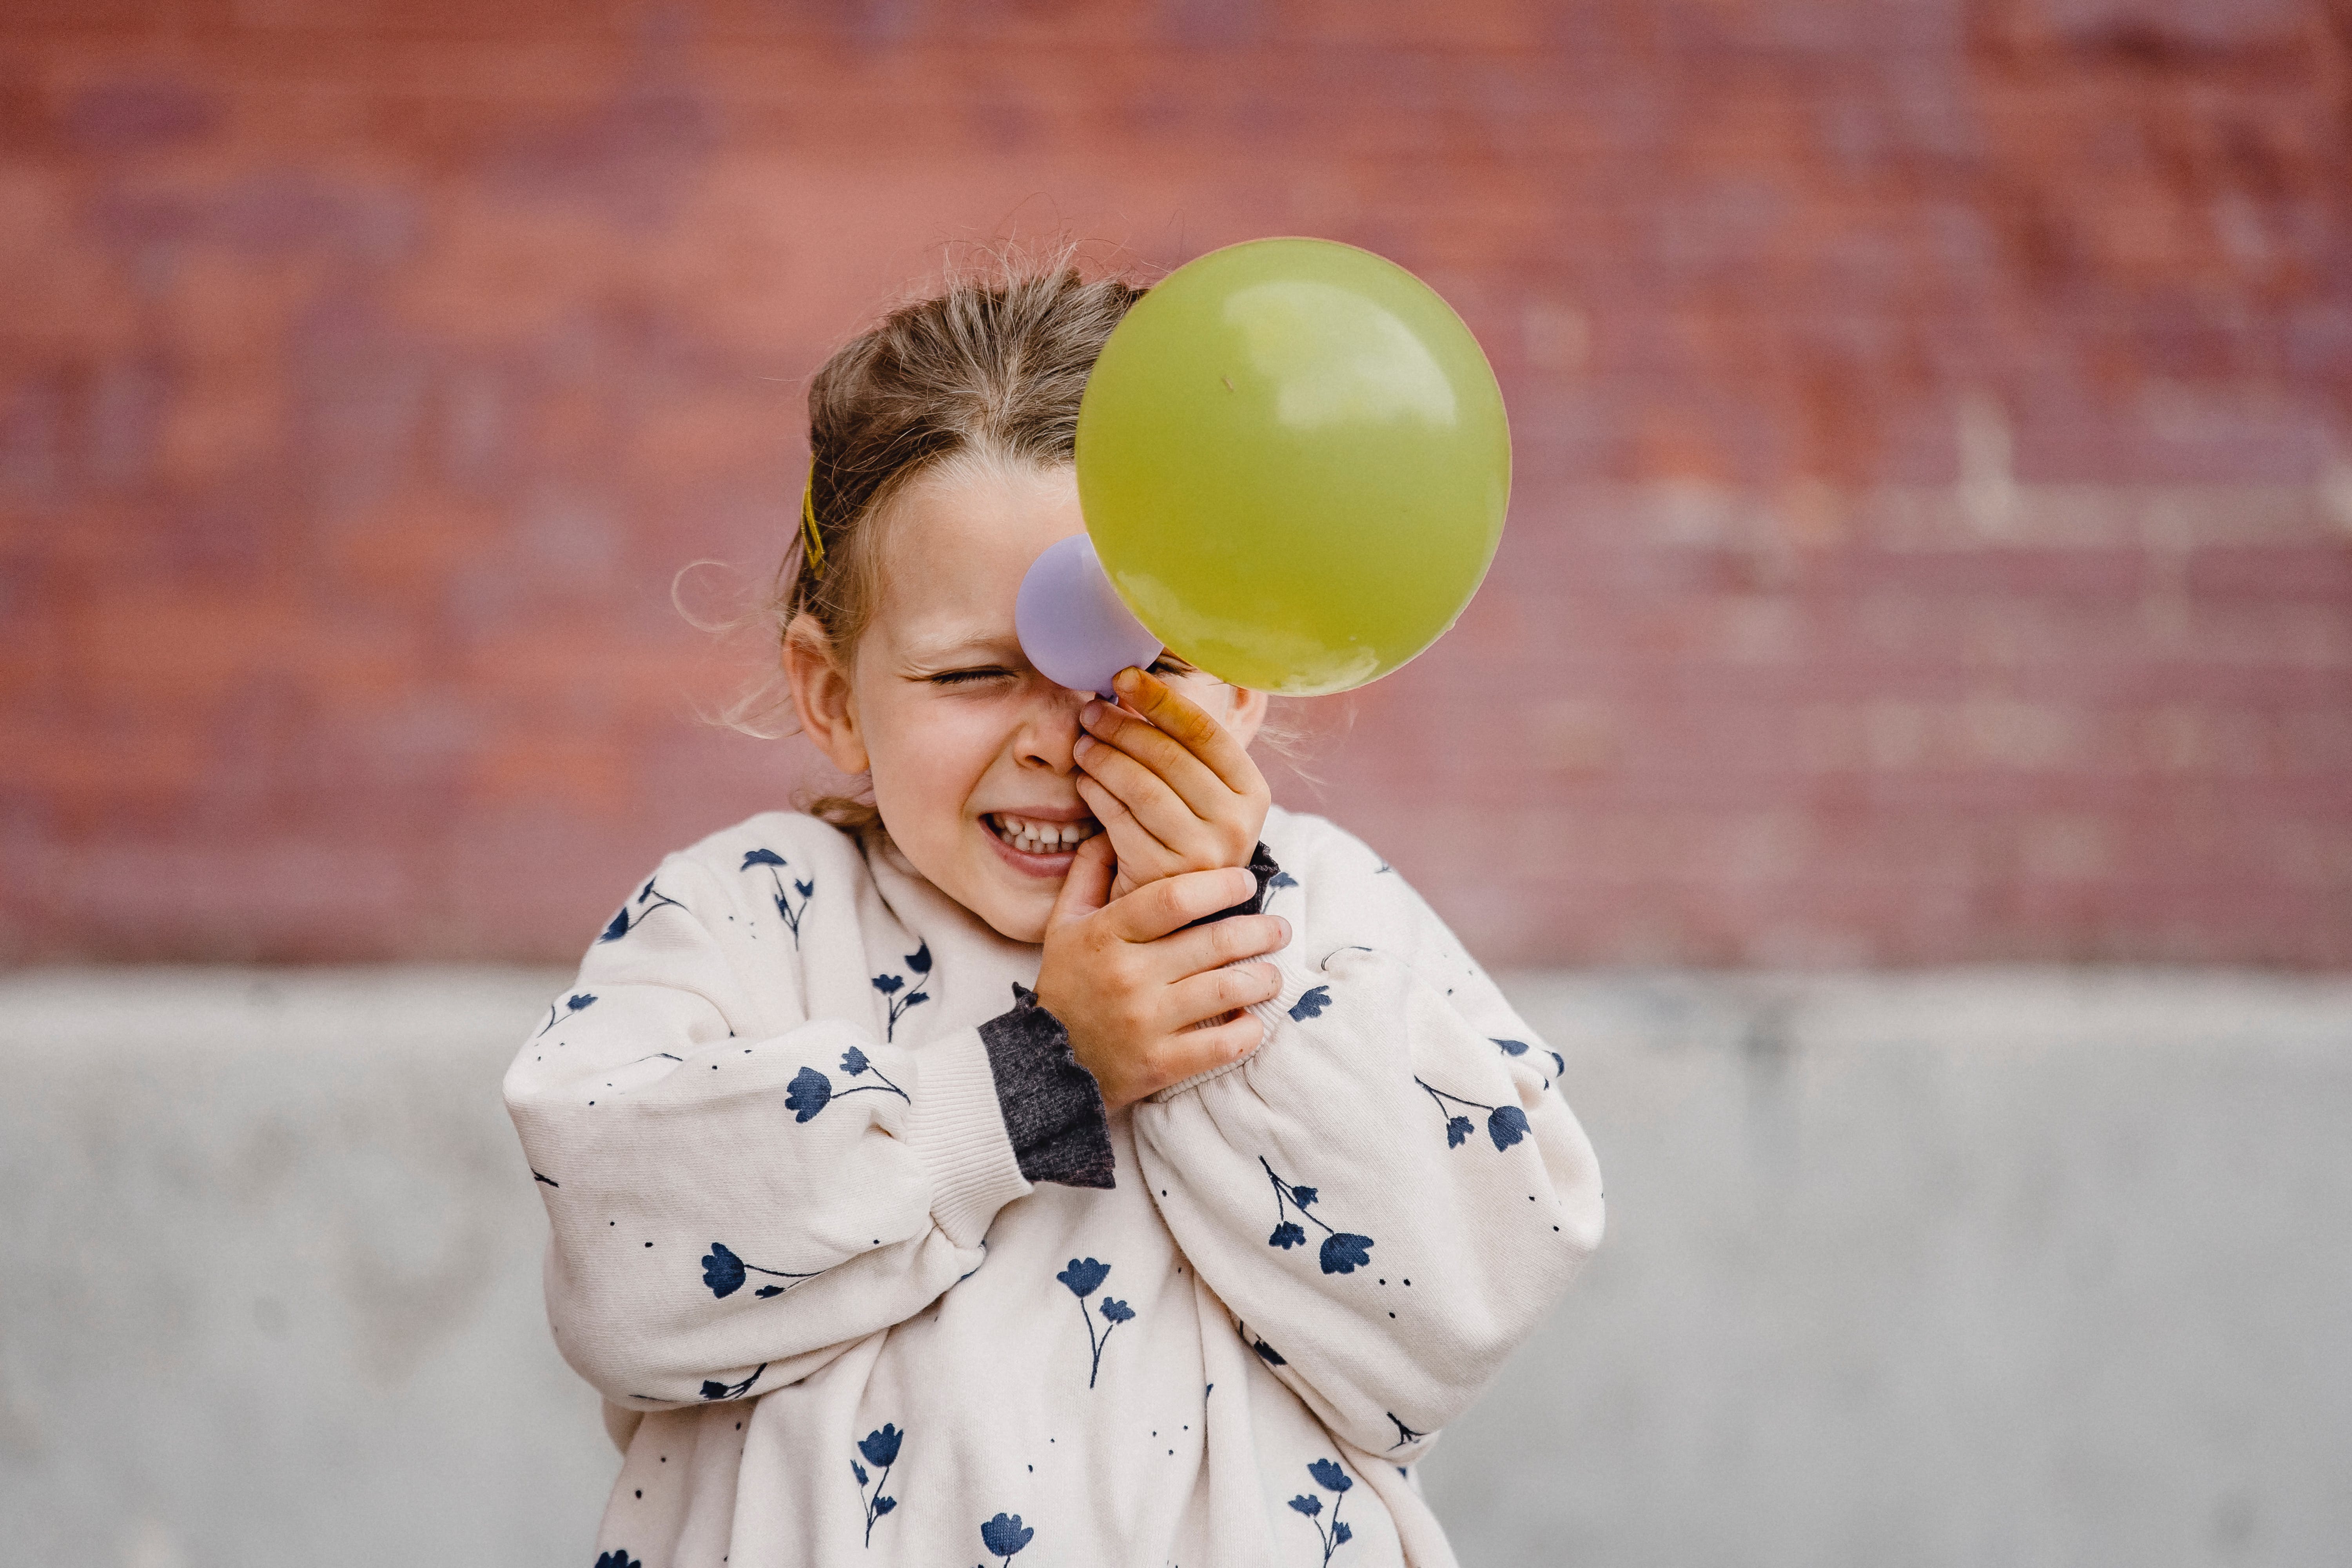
(1043, 837)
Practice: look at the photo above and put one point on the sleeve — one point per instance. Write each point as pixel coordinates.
(1389, 1194)
(735, 1192)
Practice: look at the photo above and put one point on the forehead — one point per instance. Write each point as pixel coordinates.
(958, 540)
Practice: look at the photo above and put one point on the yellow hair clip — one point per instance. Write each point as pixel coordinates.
(814, 541)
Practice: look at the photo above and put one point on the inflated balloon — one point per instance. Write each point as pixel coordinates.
(1294, 463)
(1072, 625)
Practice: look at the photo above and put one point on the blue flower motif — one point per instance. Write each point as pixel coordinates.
(1512, 1048)
(1084, 1277)
(785, 909)
(1505, 1124)
(811, 1091)
(633, 914)
(1311, 1005)
(617, 1559)
(713, 1389)
(1003, 1535)
(1335, 1480)
(881, 1447)
(1281, 879)
(574, 1004)
(891, 985)
(1344, 1253)
(722, 1271)
(1269, 1354)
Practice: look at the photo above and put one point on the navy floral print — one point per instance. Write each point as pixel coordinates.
(1333, 1480)
(1085, 1277)
(571, 1004)
(920, 961)
(880, 1448)
(713, 1389)
(1343, 1252)
(1404, 1433)
(785, 907)
(723, 1272)
(1505, 1124)
(811, 1092)
(1519, 1048)
(617, 1559)
(633, 914)
(1310, 1005)
(1003, 1537)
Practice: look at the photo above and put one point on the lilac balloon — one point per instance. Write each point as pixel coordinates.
(1072, 622)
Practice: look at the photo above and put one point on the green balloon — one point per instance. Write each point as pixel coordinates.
(1294, 463)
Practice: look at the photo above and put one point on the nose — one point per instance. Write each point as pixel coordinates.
(1048, 734)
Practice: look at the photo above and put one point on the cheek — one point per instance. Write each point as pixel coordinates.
(927, 761)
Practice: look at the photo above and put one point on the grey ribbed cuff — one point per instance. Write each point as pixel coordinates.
(1053, 1106)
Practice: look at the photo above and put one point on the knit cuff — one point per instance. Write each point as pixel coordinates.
(1262, 866)
(954, 1124)
(1053, 1106)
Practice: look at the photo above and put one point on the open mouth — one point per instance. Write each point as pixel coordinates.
(1033, 837)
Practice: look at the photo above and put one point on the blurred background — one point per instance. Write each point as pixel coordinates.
(1903, 755)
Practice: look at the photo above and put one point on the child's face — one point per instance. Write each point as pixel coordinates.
(942, 707)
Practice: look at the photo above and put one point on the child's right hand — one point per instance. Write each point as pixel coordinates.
(1129, 982)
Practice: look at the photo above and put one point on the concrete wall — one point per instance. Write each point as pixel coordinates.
(1964, 1268)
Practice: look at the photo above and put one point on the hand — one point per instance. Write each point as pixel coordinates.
(1176, 794)
(1133, 986)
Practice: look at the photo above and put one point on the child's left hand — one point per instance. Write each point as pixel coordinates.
(1178, 794)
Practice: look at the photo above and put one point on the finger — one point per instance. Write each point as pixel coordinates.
(1189, 780)
(1178, 715)
(1152, 912)
(1086, 886)
(1218, 943)
(1157, 808)
(1141, 853)
(1219, 992)
(1204, 1050)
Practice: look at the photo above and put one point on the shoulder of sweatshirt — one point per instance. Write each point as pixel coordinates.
(747, 860)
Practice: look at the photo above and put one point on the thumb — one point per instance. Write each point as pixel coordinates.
(1086, 885)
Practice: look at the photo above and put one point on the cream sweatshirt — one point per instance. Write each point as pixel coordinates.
(841, 1232)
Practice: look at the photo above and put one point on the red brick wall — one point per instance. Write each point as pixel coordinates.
(1933, 537)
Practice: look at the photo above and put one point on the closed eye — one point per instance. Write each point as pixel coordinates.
(965, 677)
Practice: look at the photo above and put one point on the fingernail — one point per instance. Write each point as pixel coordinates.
(1091, 713)
(1286, 930)
(1085, 744)
(1127, 680)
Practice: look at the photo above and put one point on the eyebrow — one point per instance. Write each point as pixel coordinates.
(933, 654)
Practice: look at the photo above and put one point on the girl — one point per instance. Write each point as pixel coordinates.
(1067, 1157)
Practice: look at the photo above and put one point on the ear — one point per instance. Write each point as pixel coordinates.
(1247, 714)
(820, 695)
